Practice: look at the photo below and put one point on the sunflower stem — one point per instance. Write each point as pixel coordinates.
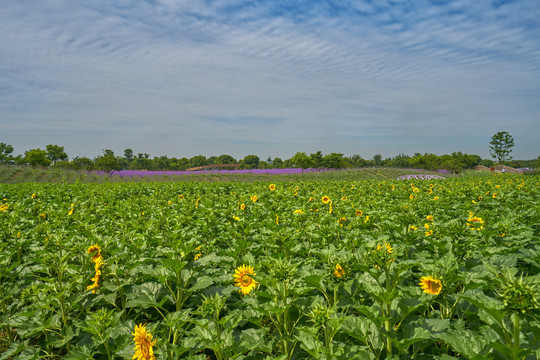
(387, 324)
(516, 329)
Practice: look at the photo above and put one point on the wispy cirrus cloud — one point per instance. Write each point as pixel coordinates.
(307, 75)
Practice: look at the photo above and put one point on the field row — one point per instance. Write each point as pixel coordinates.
(374, 269)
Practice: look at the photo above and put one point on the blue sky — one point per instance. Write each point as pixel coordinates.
(189, 77)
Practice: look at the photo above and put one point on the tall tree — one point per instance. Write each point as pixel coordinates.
(37, 157)
(225, 159)
(107, 162)
(82, 163)
(197, 161)
(56, 153)
(301, 160)
(5, 153)
(316, 158)
(500, 146)
(128, 154)
(333, 161)
(277, 163)
(378, 159)
(252, 161)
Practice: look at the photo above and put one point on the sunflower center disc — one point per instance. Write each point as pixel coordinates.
(245, 280)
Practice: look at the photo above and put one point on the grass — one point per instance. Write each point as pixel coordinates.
(21, 174)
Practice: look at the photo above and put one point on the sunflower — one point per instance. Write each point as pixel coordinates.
(33, 196)
(243, 207)
(325, 199)
(272, 187)
(383, 255)
(386, 246)
(242, 279)
(430, 285)
(95, 249)
(358, 213)
(430, 218)
(198, 256)
(97, 259)
(71, 211)
(475, 222)
(298, 211)
(339, 271)
(143, 343)
(254, 198)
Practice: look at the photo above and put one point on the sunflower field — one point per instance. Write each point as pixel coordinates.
(374, 269)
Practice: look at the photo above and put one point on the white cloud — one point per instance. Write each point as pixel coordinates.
(139, 69)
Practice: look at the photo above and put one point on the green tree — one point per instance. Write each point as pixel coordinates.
(5, 153)
(107, 162)
(401, 161)
(500, 146)
(487, 162)
(128, 154)
(357, 161)
(179, 164)
(37, 157)
(82, 163)
(316, 158)
(251, 161)
(426, 161)
(378, 159)
(198, 160)
(56, 153)
(161, 163)
(301, 160)
(333, 161)
(142, 162)
(277, 163)
(224, 159)
(453, 165)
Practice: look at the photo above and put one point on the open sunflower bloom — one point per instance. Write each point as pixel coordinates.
(143, 344)
(243, 280)
(430, 285)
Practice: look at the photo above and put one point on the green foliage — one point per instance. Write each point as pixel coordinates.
(37, 157)
(251, 161)
(301, 160)
(501, 145)
(107, 161)
(333, 161)
(5, 153)
(170, 250)
(56, 153)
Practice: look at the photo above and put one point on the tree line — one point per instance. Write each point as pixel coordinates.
(55, 156)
